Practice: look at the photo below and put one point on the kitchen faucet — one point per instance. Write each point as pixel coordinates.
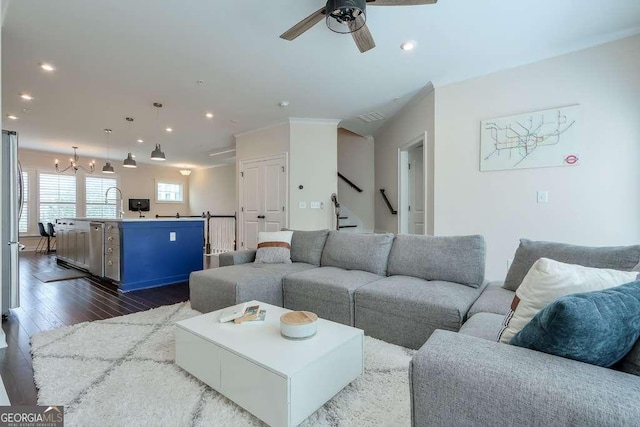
(106, 200)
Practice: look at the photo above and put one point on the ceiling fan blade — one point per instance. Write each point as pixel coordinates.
(304, 25)
(362, 37)
(399, 2)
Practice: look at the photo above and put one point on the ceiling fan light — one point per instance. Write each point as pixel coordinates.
(158, 154)
(342, 16)
(129, 162)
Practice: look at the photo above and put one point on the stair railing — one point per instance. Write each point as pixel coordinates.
(386, 200)
(348, 181)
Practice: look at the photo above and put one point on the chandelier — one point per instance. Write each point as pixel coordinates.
(75, 165)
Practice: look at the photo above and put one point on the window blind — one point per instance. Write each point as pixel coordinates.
(95, 189)
(57, 197)
(169, 192)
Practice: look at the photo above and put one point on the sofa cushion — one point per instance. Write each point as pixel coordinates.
(222, 287)
(625, 258)
(274, 247)
(352, 251)
(307, 246)
(326, 291)
(494, 299)
(593, 327)
(631, 362)
(405, 310)
(548, 280)
(483, 325)
(459, 259)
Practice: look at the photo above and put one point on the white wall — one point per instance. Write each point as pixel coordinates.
(3, 6)
(596, 203)
(213, 190)
(313, 163)
(355, 161)
(311, 146)
(416, 118)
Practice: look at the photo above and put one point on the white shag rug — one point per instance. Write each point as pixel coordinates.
(121, 372)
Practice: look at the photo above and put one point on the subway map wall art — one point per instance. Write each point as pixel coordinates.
(531, 140)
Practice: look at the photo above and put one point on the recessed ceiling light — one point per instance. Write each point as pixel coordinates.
(283, 104)
(408, 45)
(47, 67)
(140, 141)
(26, 96)
(12, 117)
(169, 129)
(209, 115)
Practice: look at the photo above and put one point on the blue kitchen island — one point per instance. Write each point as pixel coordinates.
(136, 253)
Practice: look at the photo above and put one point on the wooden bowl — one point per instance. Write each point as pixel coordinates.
(298, 325)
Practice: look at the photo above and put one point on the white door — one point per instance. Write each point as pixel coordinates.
(263, 204)
(416, 190)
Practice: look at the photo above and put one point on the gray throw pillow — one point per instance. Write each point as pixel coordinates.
(631, 362)
(459, 259)
(624, 258)
(353, 251)
(307, 246)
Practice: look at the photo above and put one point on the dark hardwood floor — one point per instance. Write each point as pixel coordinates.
(45, 306)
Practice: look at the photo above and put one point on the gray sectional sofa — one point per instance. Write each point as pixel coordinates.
(429, 293)
(470, 379)
(375, 282)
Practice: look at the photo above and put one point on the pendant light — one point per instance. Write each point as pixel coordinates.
(129, 162)
(107, 168)
(158, 154)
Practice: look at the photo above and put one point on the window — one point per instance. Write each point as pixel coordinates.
(57, 197)
(169, 192)
(96, 205)
(23, 225)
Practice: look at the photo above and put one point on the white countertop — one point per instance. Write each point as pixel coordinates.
(130, 219)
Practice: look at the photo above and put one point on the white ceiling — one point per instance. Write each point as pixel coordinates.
(114, 58)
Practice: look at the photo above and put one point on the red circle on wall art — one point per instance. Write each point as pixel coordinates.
(571, 159)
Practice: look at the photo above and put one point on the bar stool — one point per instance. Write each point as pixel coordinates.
(51, 231)
(44, 239)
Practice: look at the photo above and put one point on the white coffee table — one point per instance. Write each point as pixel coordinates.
(278, 380)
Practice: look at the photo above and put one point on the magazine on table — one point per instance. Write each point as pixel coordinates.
(233, 312)
(250, 313)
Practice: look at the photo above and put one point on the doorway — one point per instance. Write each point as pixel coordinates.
(263, 198)
(412, 215)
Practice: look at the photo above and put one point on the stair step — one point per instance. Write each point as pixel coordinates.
(348, 226)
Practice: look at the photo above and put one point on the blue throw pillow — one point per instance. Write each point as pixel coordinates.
(594, 327)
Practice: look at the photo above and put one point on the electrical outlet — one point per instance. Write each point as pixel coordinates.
(302, 205)
(316, 205)
(172, 236)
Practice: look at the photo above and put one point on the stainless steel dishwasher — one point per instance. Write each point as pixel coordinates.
(96, 249)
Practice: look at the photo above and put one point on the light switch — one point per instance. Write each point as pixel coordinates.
(302, 205)
(172, 236)
(315, 205)
(542, 196)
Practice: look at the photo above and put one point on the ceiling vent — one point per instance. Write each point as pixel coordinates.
(371, 117)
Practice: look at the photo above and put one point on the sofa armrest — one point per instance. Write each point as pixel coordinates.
(237, 257)
(467, 381)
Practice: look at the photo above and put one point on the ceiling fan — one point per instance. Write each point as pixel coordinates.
(347, 16)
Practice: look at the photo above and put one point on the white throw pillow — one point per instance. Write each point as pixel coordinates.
(274, 247)
(548, 280)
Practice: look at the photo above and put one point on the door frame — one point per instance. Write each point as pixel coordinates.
(403, 175)
(241, 167)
